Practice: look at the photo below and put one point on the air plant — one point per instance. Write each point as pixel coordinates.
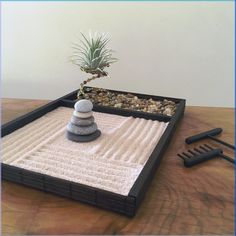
(92, 56)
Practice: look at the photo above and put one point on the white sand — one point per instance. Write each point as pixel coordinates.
(112, 162)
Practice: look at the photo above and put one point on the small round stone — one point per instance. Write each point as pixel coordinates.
(83, 138)
(167, 111)
(83, 106)
(83, 115)
(82, 122)
(82, 130)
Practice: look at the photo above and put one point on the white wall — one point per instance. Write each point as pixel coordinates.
(179, 49)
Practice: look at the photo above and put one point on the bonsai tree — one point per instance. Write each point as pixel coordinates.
(92, 56)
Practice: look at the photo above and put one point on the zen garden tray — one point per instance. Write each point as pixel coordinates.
(112, 172)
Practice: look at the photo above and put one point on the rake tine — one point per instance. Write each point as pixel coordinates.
(181, 156)
(208, 146)
(188, 156)
(196, 149)
(194, 153)
(203, 148)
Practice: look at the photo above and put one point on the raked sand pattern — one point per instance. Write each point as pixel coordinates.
(112, 162)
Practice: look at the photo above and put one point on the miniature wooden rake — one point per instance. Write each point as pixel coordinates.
(202, 154)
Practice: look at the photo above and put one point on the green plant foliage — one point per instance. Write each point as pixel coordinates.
(92, 55)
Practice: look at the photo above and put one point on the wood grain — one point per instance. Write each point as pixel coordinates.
(199, 200)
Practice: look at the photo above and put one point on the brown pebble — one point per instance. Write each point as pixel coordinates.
(103, 97)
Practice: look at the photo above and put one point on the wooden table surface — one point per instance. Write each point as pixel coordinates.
(198, 200)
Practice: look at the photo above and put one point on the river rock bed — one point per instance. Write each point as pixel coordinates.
(129, 101)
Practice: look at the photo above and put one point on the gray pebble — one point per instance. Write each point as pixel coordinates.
(83, 105)
(82, 115)
(82, 130)
(82, 122)
(83, 138)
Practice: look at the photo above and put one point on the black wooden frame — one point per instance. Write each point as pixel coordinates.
(127, 205)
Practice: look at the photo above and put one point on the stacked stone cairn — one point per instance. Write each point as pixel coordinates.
(82, 127)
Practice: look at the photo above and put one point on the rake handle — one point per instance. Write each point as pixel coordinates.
(227, 158)
(222, 142)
